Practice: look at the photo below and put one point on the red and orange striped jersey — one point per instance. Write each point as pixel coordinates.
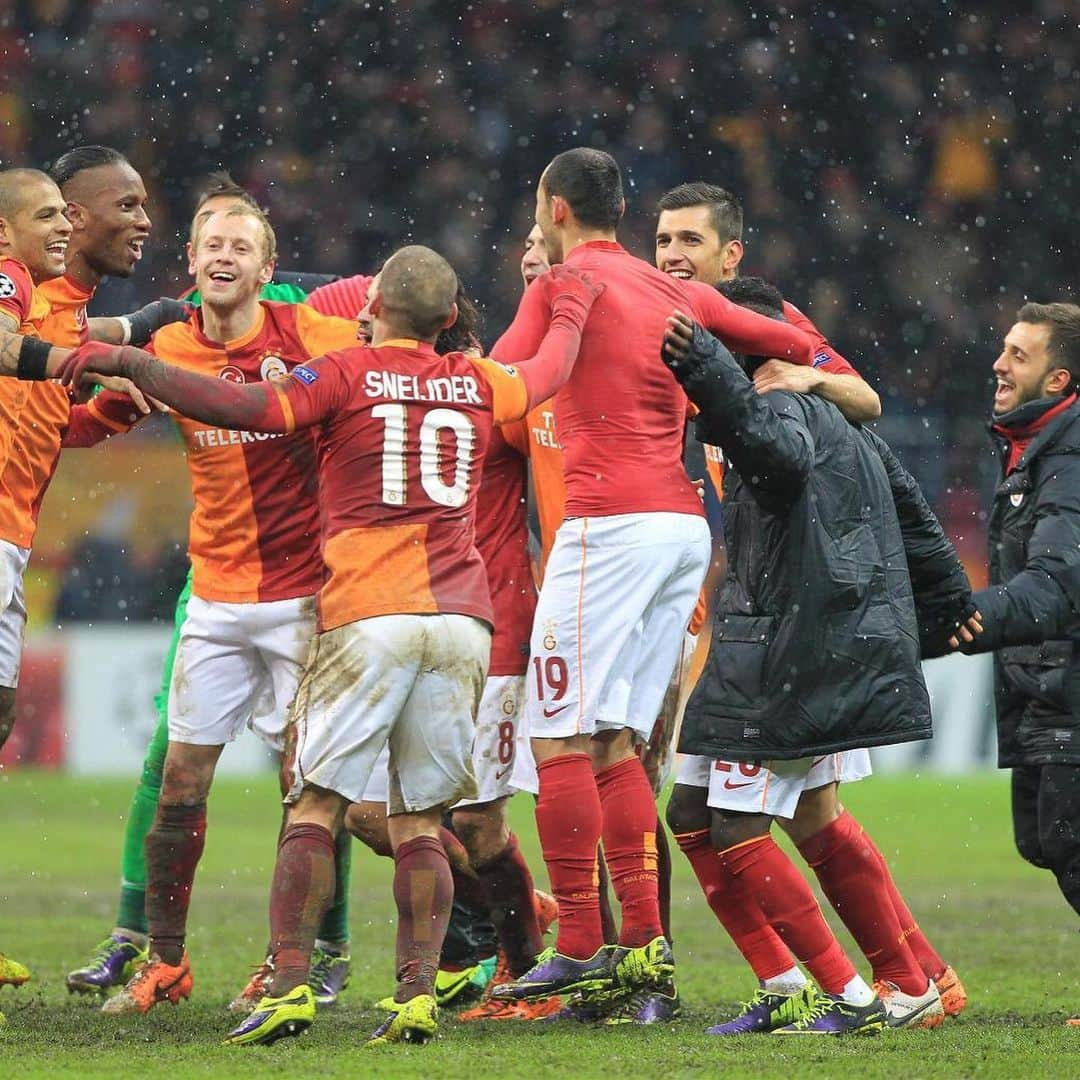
(402, 437)
(28, 304)
(46, 410)
(254, 532)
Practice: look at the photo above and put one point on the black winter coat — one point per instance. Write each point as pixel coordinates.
(1030, 609)
(815, 644)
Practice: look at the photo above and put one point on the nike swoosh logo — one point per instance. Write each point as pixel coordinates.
(731, 787)
(502, 772)
(908, 1017)
(549, 713)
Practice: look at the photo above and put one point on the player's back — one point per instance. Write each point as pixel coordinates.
(621, 416)
(399, 468)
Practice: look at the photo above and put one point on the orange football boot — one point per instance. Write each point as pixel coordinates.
(155, 981)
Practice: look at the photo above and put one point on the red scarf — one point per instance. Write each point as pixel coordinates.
(1019, 438)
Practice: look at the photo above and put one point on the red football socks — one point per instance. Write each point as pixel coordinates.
(569, 821)
(173, 848)
(787, 902)
(509, 887)
(663, 869)
(738, 912)
(300, 894)
(850, 870)
(424, 894)
(629, 829)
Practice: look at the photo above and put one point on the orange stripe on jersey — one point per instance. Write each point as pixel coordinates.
(286, 408)
(511, 399)
(376, 570)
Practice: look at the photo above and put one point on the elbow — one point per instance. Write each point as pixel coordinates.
(871, 406)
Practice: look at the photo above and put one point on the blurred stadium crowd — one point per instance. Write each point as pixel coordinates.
(906, 169)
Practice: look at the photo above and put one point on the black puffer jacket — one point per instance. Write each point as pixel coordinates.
(1030, 609)
(815, 641)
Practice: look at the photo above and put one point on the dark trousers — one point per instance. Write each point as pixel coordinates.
(1046, 822)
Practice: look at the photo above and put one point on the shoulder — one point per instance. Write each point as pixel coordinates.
(172, 337)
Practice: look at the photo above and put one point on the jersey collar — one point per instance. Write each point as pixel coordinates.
(593, 245)
(236, 343)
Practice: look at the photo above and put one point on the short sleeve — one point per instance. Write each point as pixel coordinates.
(313, 392)
(16, 290)
(510, 398)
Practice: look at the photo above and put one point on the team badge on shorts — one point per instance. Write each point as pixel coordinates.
(550, 640)
(7, 287)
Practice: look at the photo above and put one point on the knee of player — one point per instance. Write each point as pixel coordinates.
(186, 779)
(728, 828)
(482, 831)
(7, 712)
(367, 822)
(816, 809)
(688, 809)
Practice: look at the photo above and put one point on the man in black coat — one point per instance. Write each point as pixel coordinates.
(815, 649)
(1030, 611)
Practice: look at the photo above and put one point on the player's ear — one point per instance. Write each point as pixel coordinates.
(559, 209)
(266, 274)
(190, 258)
(76, 214)
(731, 256)
(451, 318)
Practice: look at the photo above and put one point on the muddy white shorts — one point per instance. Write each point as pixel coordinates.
(658, 755)
(237, 666)
(612, 614)
(409, 682)
(497, 748)
(771, 787)
(13, 562)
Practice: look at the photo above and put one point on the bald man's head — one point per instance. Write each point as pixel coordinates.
(417, 290)
(18, 187)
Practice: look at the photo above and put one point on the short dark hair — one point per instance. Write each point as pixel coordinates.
(754, 294)
(724, 207)
(83, 157)
(221, 183)
(465, 332)
(1064, 322)
(418, 289)
(590, 181)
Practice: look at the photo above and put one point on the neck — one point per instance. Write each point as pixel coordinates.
(81, 272)
(228, 324)
(383, 330)
(577, 235)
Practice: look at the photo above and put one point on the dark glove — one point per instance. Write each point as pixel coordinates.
(573, 293)
(683, 349)
(937, 626)
(154, 316)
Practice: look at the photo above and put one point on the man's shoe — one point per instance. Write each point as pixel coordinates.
(650, 965)
(113, 963)
(656, 1006)
(329, 974)
(910, 1010)
(276, 1018)
(12, 973)
(465, 987)
(258, 986)
(1073, 1021)
(155, 981)
(414, 1021)
(829, 1015)
(581, 1011)
(953, 994)
(766, 1011)
(512, 1010)
(547, 909)
(554, 973)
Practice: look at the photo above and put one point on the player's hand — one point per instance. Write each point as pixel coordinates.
(678, 340)
(158, 313)
(967, 630)
(144, 404)
(781, 375)
(573, 292)
(91, 360)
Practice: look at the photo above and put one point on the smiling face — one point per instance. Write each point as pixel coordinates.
(1026, 368)
(107, 207)
(231, 260)
(366, 318)
(689, 247)
(534, 261)
(37, 232)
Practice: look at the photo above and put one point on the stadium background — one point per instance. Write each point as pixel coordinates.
(906, 172)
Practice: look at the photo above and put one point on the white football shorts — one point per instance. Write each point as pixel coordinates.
(237, 666)
(610, 622)
(771, 787)
(13, 562)
(409, 682)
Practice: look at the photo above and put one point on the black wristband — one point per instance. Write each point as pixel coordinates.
(33, 359)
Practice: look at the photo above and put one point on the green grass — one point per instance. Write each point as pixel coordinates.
(1000, 922)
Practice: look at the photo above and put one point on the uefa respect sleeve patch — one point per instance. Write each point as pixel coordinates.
(305, 375)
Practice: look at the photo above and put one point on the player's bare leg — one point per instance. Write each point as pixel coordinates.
(174, 846)
(7, 713)
(855, 877)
